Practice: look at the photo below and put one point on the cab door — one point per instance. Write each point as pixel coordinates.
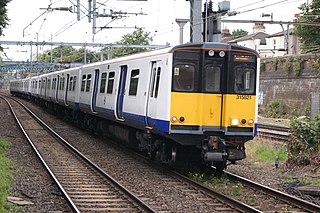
(213, 97)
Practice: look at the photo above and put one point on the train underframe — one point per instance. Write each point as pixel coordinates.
(211, 149)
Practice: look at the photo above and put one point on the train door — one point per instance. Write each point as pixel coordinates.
(66, 90)
(45, 87)
(57, 88)
(121, 90)
(151, 107)
(95, 90)
(40, 87)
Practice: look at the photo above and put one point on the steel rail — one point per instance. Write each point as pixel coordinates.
(281, 195)
(124, 190)
(235, 203)
(65, 194)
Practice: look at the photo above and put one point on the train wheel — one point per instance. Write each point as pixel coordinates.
(173, 159)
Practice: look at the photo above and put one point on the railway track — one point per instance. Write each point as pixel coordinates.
(212, 200)
(274, 132)
(88, 190)
(86, 187)
(271, 200)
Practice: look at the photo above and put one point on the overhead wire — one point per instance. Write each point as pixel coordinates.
(273, 4)
(248, 5)
(72, 23)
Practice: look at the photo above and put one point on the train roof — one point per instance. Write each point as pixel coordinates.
(214, 45)
(170, 50)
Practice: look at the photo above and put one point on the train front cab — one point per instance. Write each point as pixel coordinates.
(213, 100)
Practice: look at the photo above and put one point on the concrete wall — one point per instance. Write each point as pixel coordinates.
(282, 80)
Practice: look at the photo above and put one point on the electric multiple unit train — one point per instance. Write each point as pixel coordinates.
(193, 101)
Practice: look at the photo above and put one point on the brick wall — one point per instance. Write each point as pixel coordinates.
(289, 80)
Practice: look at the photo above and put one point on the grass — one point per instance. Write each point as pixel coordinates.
(265, 152)
(6, 175)
(309, 182)
(284, 122)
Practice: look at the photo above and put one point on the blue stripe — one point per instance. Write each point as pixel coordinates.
(255, 133)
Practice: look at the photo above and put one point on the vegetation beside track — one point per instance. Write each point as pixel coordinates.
(263, 151)
(6, 176)
(304, 145)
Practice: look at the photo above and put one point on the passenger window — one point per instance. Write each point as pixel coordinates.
(62, 83)
(158, 82)
(184, 75)
(53, 83)
(110, 83)
(212, 78)
(88, 83)
(153, 81)
(74, 83)
(103, 82)
(83, 82)
(48, 83)
(134, 82)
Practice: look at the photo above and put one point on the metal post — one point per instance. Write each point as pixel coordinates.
(101, 55)
(78, 10)
(51, 57)
(37, 47)
(195, 21)
(110, 53)
(60, 53)
(94, 16)
(85, 55)
(181, 23)
(31, 53)
(217, 37)
(89, 10)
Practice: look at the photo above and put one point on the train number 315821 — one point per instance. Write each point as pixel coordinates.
(244, 97)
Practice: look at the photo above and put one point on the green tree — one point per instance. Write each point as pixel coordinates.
(69, 55)
(61, 54)
(138, 37)
(238, 33)
(3, 16)
(309, 35)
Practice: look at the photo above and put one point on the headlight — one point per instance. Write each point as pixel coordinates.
(251, 122)
(234, 122)
(174, 119)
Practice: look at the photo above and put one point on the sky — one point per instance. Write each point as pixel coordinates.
(29, 21)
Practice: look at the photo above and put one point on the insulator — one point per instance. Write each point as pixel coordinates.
(210, 6)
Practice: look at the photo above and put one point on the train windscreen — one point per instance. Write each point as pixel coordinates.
(242, 74)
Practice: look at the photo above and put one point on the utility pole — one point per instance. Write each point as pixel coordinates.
(195, 21)
(94, 16)
(78, 10)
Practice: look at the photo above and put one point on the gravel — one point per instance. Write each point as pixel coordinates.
(31, 181)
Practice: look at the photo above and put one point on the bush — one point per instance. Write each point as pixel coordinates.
(304, 143)
(274, 109)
